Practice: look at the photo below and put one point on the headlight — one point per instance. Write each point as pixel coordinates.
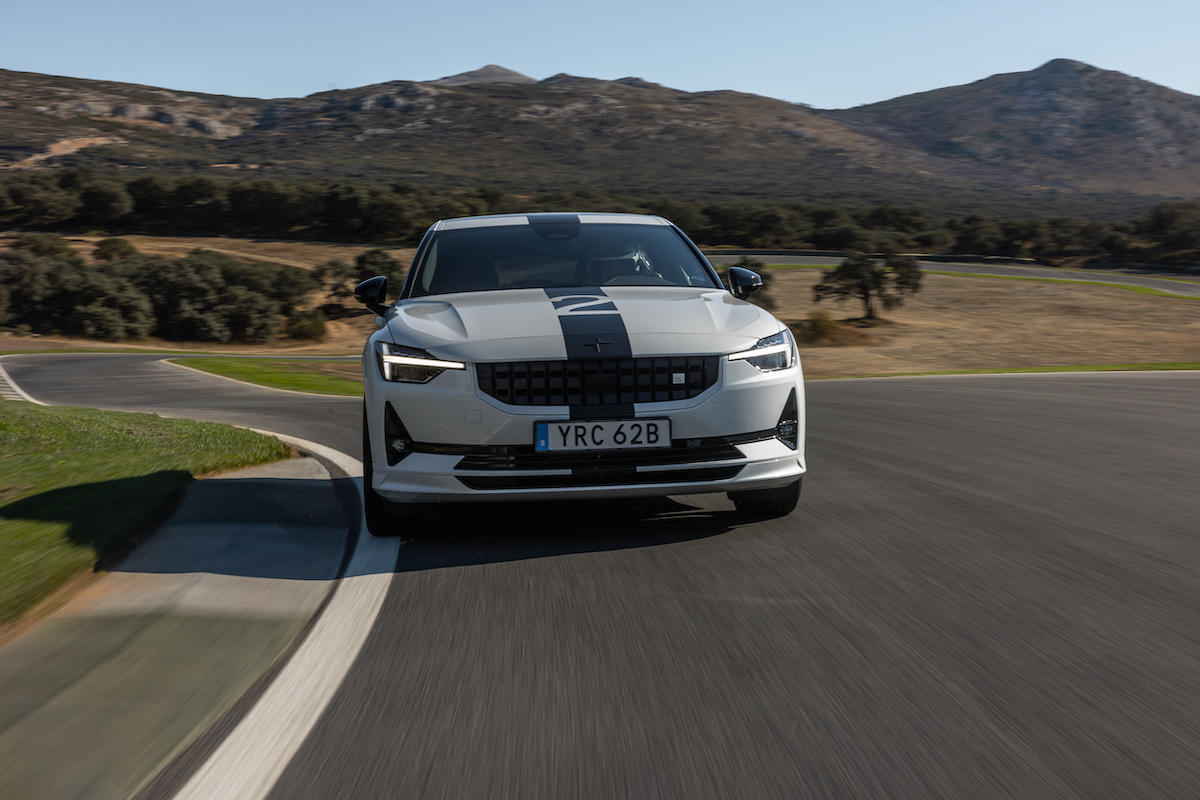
(769, 354)
(409, 365)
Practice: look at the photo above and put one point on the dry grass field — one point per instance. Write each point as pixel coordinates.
(953, 324)
(984, 323)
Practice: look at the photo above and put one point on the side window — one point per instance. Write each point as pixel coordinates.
(429, 267)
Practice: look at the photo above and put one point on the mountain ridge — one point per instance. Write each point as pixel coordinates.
(1064, 127)
(492, 73)
(1060, 113)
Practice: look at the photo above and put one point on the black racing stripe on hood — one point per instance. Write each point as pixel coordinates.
(553, 219)
(592, 328)
(595, 335)
(564, 291)
(592, 307)
(590, 335)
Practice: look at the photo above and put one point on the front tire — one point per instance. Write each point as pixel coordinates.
(379, 521)
(768, 503)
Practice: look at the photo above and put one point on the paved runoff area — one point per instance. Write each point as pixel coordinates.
(101, 696)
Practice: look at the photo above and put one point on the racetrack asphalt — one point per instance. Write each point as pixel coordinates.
(95, 699)
(989, 590)
(145, 382)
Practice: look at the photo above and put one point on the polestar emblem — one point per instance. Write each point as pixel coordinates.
(596, 344)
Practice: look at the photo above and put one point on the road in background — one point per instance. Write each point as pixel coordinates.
(1174, 286)
(145, 382)
(988, 590)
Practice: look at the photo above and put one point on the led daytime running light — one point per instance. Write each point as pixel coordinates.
(761, 351)
(409, 361)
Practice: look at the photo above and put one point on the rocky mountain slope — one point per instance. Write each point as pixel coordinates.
(1064, 123)
(492, 73)
(36, 110)
(1063, 129)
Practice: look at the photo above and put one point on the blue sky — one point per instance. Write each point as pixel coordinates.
(829, 54)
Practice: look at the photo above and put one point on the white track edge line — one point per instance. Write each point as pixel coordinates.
(351, 466)
(4, 376)
(250, 760)
(255, 385)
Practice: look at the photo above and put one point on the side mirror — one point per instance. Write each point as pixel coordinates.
(743, 282)
(372, 292)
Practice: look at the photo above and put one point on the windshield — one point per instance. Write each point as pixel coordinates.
(539, 256)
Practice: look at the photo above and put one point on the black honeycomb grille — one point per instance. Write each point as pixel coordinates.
(598, 381)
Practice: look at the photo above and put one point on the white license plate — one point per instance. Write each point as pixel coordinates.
(622, 434)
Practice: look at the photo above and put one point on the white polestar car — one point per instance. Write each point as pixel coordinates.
(560, 356)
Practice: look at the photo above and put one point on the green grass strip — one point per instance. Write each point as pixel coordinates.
(1075, 269)
(103, 350)
(78, 485)
(1130, 287)
(138, 350)
(294, 375)
(1017, 370)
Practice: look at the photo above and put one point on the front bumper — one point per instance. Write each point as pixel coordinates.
(723, 441)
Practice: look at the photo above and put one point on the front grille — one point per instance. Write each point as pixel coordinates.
(599, 478)
(597, 381)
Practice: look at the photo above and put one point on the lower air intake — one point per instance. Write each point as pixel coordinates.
(599, 478)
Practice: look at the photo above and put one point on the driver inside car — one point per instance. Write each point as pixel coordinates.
(610, 268)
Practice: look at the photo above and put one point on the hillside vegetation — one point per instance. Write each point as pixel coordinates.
(1063, 139)
(206, 296)
(398, 214)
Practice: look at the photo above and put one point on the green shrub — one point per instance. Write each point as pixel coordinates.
(44, 245)
(105, 202)
(822, 325)
(113, 249)
(307, 325)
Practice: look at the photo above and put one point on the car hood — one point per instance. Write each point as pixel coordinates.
(540, 324)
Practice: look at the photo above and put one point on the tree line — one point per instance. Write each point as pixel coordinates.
(206, 296)
(46, 287)
(85, 199)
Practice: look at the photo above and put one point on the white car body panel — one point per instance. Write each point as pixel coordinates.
(527, 325)
(523, 324)
(499, 220)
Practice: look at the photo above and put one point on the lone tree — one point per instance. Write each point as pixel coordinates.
(886, 280)
(334, 275)
(113, 249)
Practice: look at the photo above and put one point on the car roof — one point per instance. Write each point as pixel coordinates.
(586, 218)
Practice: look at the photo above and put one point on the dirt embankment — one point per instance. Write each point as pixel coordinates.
(68, 146)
